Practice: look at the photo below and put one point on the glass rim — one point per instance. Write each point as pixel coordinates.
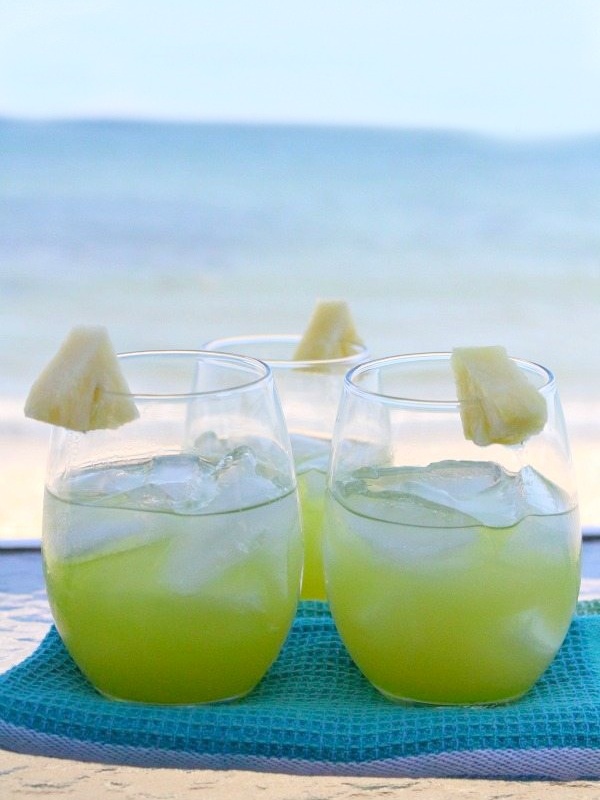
(288, 338)
(425, 403)
(262, 372)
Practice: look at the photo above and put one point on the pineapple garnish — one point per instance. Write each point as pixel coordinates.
(498, 405)
(75, 390)
(330, 333)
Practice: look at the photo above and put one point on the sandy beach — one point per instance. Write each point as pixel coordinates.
(32, 776)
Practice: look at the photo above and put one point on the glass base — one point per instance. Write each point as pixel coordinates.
(175, 703)
(409, 701)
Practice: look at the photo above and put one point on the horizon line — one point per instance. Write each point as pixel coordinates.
(447, 130)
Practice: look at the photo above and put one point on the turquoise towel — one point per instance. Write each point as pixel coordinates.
(315, 713)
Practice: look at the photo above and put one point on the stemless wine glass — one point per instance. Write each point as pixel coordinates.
(452, 569)
(310, 392)
(172, 545)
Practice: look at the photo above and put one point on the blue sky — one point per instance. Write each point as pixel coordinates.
(516, 67)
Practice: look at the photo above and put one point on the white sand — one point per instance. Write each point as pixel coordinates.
(24, 776)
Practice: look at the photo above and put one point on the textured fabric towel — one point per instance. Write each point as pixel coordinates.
(314, 713)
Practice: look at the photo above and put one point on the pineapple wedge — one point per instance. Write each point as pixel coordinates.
(72, 389)
(330, 333)
(498, 405)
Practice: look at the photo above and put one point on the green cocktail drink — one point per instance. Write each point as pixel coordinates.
(172, 544)
(310, 391)
(451, 560)
(447, 595)
(311, 488)
(311, 456)
(151, 602)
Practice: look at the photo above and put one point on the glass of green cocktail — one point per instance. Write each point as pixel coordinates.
(452, 568)
(172, 546)
(310, 391)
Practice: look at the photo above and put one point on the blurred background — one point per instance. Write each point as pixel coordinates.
(183, 170)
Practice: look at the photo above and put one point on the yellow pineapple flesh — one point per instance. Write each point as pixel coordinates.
(82, 388)
(498, 404)
(330, 333)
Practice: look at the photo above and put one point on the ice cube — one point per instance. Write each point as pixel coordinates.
(180, 469)
(396, 534)
(543, 496)
(99, 483)
(533, 630)
(499, 498)
(484, 491)
(213, 448)
(242, 457)
(454, 493)
(81, 531)
(181, 484)
(205, 550)
(187, 484)
(210, 447)
(449, 493)
(208, 548)
(108, 536)
(402, 495)
(241, 482)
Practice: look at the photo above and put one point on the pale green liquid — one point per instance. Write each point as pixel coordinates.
(171, 608)
(311, 455)
(311, 487)
(471, 614)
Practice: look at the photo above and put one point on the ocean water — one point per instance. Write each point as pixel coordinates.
(171, 234)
